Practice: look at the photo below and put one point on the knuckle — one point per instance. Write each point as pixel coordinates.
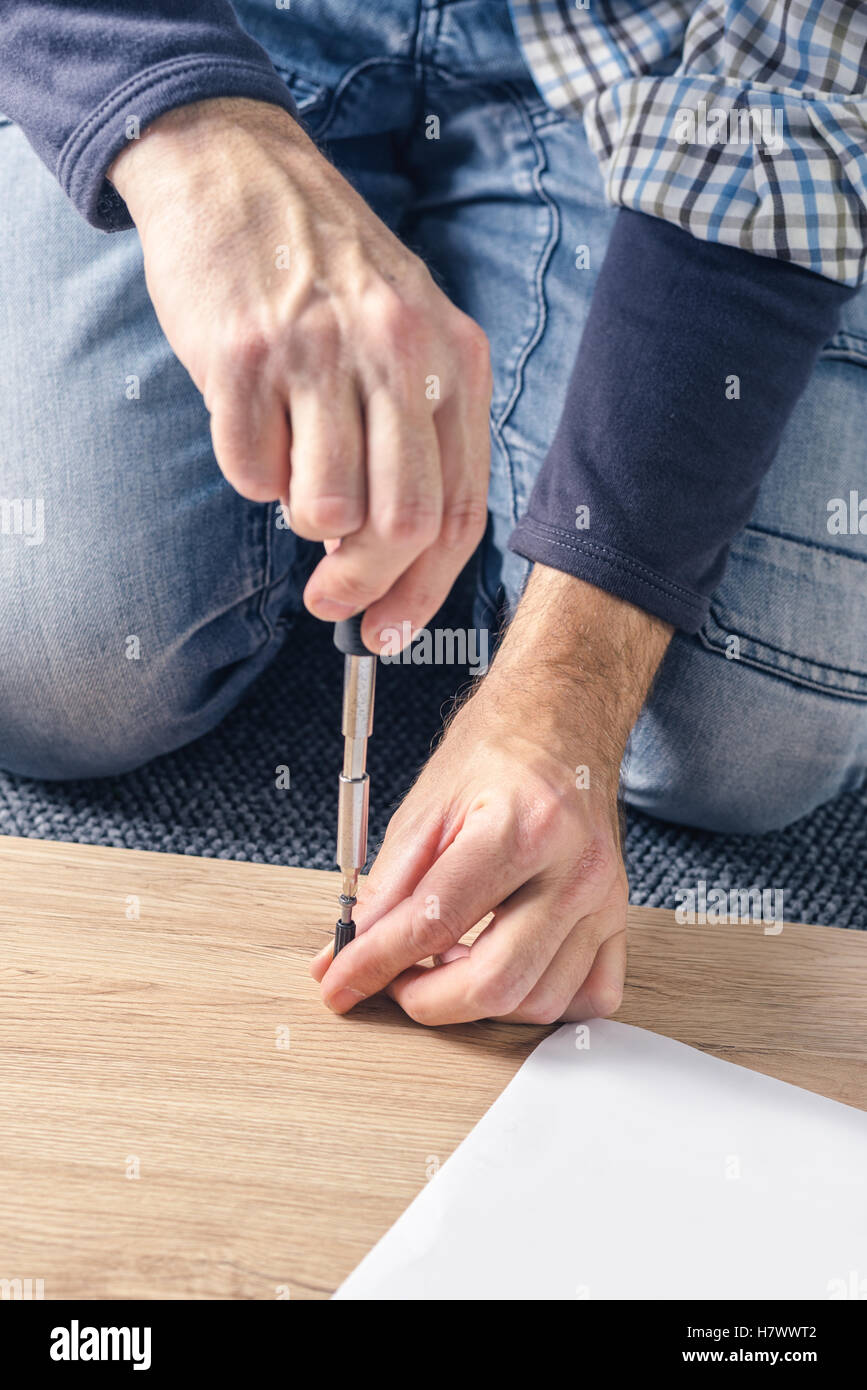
(544, 1007)
(413, 521)
(475, 350)
(594, 870)
(606, 997)
(422, 603)
(464, 521)
(498, 993)
(544, 807)
(530, 825)
(246, 349)
(352, 590)
(419, 1014)
(515, 840)
(418, 278)
(320, 518)
(545, 817)
(313, 346)
(251, 484)
(598, 858)
(396, 322)
(430, 935)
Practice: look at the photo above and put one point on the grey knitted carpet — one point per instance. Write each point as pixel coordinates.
(219, 796)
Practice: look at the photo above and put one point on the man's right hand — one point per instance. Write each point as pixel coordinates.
(338, 377)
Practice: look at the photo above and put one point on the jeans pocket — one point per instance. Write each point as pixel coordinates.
(796, 609)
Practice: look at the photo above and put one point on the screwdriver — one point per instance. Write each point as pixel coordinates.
(359, 679)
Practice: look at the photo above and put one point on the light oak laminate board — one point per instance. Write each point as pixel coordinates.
(157, 1018)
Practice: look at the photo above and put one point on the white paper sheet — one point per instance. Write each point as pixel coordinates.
(637, 1167)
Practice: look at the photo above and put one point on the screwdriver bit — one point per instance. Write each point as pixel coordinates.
(359, 679)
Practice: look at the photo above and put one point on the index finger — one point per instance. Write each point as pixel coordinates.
(471, 877)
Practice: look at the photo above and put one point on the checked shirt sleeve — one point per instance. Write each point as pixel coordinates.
(741, 122)
(733, 136)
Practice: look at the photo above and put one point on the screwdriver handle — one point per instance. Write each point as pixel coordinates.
(344, 932)
(347, 637)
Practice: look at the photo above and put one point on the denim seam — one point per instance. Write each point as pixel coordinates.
(427, 30)
(420, 39)
(805, 541)
(778, 672)
(538, 283)
(732, 630)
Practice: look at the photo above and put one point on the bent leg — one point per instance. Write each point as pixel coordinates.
(155, 594)
(151, 594)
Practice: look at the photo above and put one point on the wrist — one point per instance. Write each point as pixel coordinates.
(181, 152)
(577, 663)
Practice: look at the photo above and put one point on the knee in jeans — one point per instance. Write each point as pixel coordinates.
(737, 798)
(747, 759)
(96, 711)
(84, 725)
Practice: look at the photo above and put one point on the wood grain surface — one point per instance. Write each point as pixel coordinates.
(157, 1018)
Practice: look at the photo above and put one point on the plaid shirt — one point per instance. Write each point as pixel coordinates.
(742, 121)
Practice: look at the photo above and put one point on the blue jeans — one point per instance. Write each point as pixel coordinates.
(155, 595)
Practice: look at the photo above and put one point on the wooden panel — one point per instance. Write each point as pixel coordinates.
(157, 1041)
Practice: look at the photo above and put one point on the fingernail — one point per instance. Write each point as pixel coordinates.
(344, 1000)
(456, 952)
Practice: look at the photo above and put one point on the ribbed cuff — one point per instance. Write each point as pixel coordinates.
(94, 143)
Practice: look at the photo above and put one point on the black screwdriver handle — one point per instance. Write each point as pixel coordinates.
(347, 637)
(344, 932)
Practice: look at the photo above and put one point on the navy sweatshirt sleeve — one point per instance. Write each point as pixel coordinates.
(656, 440)
(73, 73)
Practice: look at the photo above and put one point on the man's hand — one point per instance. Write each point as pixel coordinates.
(339, 378)
(516, 814)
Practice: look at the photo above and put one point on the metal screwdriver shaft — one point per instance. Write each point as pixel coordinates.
(359, 678)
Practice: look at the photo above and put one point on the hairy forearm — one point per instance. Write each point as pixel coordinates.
(579, 663)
